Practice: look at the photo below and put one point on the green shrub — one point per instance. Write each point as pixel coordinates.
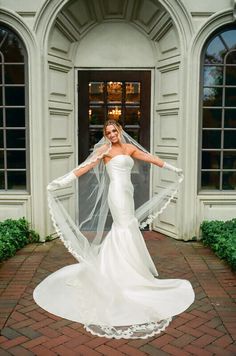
(221, 237)
(15, 234)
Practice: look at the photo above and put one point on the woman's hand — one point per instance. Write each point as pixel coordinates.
(61, 182)
(172, 168)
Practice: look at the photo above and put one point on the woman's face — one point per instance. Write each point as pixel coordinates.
(112, 134)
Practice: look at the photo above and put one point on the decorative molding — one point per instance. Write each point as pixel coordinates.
(67, 28)
(59, 67)
(17, 23)
(167, 123)
(60, 129)
(146, 14)
(234, 10)
(162, 27)
(202, 14)
(113, 9)
(15, 206)
(215, 208)
(26, 13)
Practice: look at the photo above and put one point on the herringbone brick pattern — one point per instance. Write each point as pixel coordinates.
(207, 328)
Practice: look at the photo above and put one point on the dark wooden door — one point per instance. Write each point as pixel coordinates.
(120, 95)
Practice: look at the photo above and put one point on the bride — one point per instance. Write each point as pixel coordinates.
(114, 290)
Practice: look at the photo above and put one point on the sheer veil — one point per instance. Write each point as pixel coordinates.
(84, 230)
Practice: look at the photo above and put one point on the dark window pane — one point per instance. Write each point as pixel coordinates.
(213, 75)
(96, 92)
(133, 133)
(13, 71)
(94, 137)
(2, 159)
(231, 58)
(210, 160)
(229, 180)
(114, 92)
(210, 180)
(212, 97)
(229, 160)
(1, 139)
(211, 139)
(15, 117)
(12, 49)
(16, 180)
(114, 112)
(230, 118)
(16, 159)
(15, 96)
(215, 51)
(229, 38)
(132, 92)
(96, 115)
(221, 54)
(2, 183)
(14, 74)
(230, 139)
(132, 115)
(0, 72)
(230, 97)
(230, 75)
(212, 118)
(15, 139)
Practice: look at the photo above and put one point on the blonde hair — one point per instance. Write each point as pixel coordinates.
(113, 123)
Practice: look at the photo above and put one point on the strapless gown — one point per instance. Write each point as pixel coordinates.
(119, 295)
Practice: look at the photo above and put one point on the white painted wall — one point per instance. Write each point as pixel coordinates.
(115, 44)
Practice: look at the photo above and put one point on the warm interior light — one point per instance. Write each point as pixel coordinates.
(114, 113)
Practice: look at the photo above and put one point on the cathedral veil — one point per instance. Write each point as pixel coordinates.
(83, 232)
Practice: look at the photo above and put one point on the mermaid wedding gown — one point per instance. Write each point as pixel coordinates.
(118, 295)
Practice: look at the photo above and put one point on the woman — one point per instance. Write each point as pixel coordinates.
(114, 291)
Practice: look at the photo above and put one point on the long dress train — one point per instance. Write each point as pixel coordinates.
(119, 294)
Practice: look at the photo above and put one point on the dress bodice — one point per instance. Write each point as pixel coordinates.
(119, 166)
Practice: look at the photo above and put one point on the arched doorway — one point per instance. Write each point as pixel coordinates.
(74, 43)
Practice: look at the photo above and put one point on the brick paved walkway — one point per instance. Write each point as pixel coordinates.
(207, 328)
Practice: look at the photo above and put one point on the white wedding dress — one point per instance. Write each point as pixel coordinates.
(119, 294)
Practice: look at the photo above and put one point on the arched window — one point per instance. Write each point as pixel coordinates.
(218, 143)
(13, 112)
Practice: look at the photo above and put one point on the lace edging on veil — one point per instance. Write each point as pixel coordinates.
(141, 331)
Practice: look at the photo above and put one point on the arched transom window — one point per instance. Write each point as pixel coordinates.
(218, 131)
(13, 112)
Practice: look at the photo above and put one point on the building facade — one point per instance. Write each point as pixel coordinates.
(165, 68)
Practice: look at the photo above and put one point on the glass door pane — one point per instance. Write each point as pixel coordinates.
(120, 95)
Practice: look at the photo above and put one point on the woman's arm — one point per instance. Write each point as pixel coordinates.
(70, 177)
(147, 157)
(82, 170)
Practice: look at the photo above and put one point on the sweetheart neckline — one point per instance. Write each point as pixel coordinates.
(117, 156)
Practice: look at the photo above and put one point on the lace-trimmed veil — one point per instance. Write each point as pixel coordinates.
(84, 231)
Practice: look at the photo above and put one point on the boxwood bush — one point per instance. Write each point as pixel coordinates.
(15, 234)
(221, 237)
